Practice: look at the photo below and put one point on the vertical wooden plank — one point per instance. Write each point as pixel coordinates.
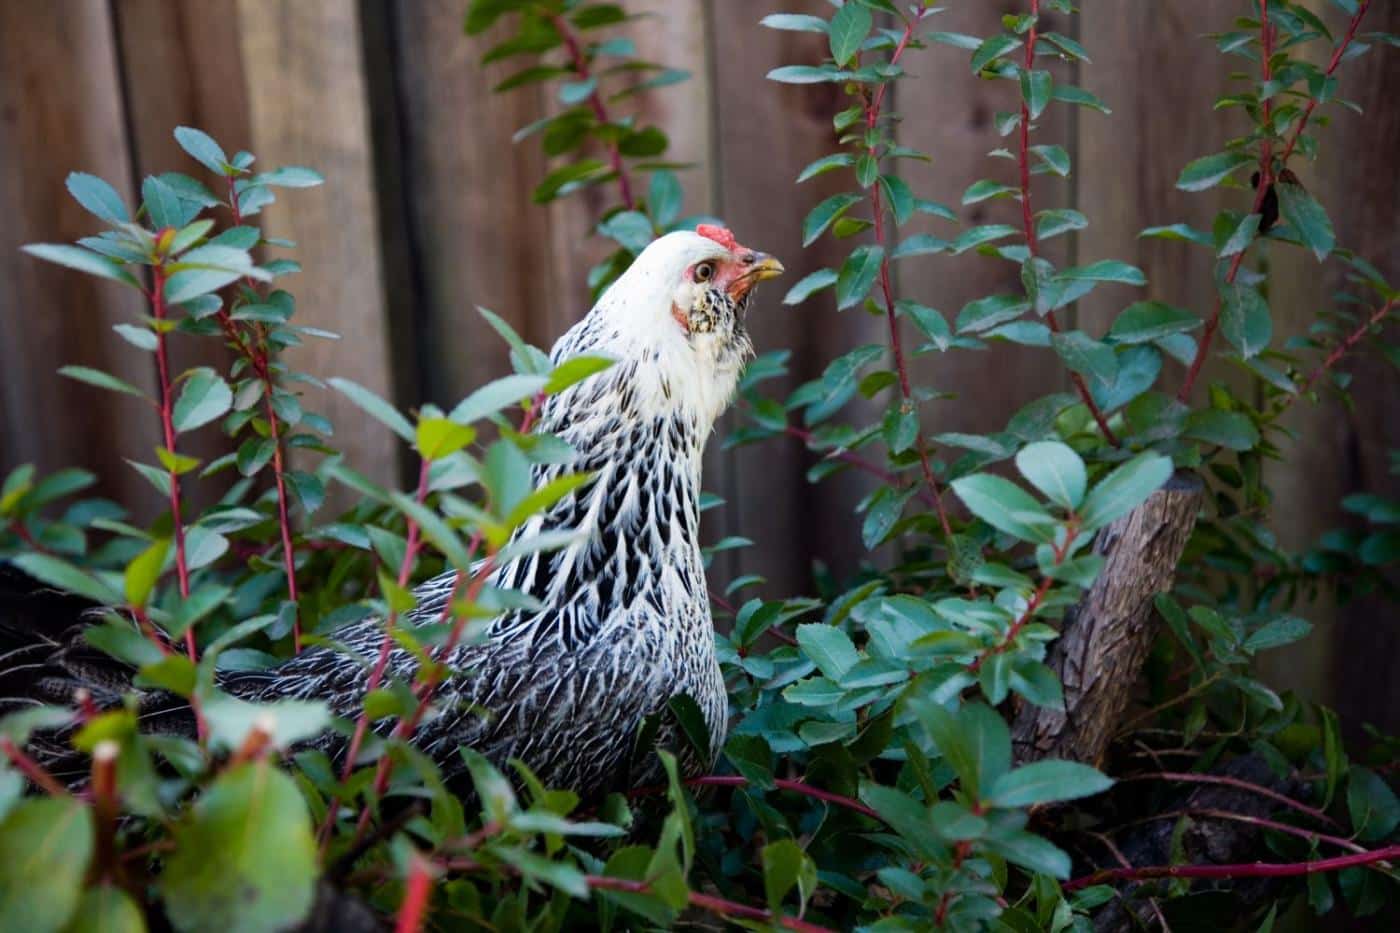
(767, 132)
(1128, 162)
(951, 114)
(1337, 450)
(308, 105)
(57, 116)
(474, 237)
(182, 66)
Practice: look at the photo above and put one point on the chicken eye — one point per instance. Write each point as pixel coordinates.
(704, 272)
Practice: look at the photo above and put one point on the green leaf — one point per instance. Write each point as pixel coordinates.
(807, 74)
(75, 257)
(1211, 170)
(1005, 506)
(1306, 216)
(810, 285)
(95, 377)
(1036, 87)
(245, 858)
(97, 197)
(664, 198)
(1031, 853)
(1230, 429)
(1046, 782)
(1277, 633)
(785, 866)
(45, 846)
(143, 571)
(1146, 321)
(375, 407)
(829, 647)
(1245, 319)
(1086, 356)
(1106, 270)
(826, 164)
(497, 395)
(848, 30)
(899, 197)
(1372, 805)
(575, 370)
(106, 909)
(58, 572)
(204, 397)
(794, 22)
(1123, 490)
(992, 49)
(1243, 236)
(439, 437)
(631, 229)
(202, 147)
(1056, 470)
(950, 736)
(291, 176)
(857, 275)
(821, 216)
(1055, 158)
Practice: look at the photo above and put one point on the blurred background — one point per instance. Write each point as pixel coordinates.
(427, 213)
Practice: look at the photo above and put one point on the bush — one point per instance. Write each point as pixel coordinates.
(969, 732)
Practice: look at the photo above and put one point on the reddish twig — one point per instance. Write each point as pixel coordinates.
(106, 808)
(1243, 870)
(579, 63)
(37, 773)
(1266, 175)
(1060, 553)
(1023, 163)
(1213, 814)
(417, 891)
(715, 905)
(159, 311)
(1345, 347)
(785, 784)
(872, 116)
(1237, 783)
(258, 358)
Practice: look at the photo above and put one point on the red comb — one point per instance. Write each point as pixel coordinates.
(721, 235)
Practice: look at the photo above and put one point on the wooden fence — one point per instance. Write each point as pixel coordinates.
(427, 214)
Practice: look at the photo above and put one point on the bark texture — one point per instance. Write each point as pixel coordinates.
(1107, 636)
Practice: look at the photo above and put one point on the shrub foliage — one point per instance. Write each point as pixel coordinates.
(869, 779)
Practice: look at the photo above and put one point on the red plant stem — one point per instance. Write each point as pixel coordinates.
(1345, 347)
(716, 905)
(376, 674)
(857, 461)
(788, 784)
(1007, 640)
(600, 110)
(1336, 60)
(1023, 163)
(960, 854)
(417, 890)
(106, 809)
(872, 117)
(1266, 175)
(167, 425)
(1244, 870)
(257, 357)
(1300, 832)
(1237, 783)
(31, 769)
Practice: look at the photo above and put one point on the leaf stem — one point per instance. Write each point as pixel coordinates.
(36, 772)
(1225, 780)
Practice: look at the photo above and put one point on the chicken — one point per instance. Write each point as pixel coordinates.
(623, 623)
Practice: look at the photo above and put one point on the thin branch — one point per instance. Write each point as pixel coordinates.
(418, 891)
(1244, 870)
(1060, 553)
(1266, 175)
(1211, 813)
(1345, 347)
(1187, 777)
(31, 769)
(579, 63)
(1023, 163)
(857, 461)
(872, 117)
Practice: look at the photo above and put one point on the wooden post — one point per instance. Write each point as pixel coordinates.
(1107, 636)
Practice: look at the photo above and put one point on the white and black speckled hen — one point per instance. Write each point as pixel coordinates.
(624, 623)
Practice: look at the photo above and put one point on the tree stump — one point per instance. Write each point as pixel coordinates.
(1107, 635)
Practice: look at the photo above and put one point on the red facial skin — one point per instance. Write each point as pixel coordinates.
(736, 274)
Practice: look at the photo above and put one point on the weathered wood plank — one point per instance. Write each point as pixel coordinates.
(56, 117)
(308, 105)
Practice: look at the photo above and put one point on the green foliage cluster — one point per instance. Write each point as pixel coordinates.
(869, 779)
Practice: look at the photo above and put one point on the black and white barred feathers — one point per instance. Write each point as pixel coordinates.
(624, 621)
